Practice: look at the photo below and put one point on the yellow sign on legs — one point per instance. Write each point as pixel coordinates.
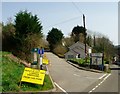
(33, 76)
(45, 61)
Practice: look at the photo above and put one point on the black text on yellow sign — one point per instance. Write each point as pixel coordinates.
(33, 76)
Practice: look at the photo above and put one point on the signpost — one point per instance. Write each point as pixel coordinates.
(97, 59)
(33, 76)
(34, 57)
(90, 51)
(41, 53)
(97, 54)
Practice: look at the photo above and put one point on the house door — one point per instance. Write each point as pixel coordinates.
(78, 55)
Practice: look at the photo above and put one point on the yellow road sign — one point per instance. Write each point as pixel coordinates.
(45, 61)
(33, 76)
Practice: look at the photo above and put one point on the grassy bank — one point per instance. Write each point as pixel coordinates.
(11, 75)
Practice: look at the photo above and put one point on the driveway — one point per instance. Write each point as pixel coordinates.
(68, 78)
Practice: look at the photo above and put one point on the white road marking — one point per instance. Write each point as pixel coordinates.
(90, 91)
(60, 88)
(99, 83)
(76, 75)
(96, 86)
(85, 77)
(103, 76)
(106, 77)
(93, 89)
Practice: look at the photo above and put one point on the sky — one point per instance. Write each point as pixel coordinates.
(101, 17)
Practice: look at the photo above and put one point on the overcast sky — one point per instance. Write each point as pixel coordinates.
(101, 17)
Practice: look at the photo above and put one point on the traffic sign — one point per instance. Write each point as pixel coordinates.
(33, 76)
(45, 61)
(97, 54)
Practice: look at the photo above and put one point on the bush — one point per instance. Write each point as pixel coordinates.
(81, 61)
(60, 50)
(23, 51)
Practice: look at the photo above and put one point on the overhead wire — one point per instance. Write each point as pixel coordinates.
(77, 8)
(68, 19)
(64, 21)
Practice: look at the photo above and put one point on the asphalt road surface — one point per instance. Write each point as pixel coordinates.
(68, 78)
(109, 84)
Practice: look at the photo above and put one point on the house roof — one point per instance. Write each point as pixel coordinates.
(78, 48)
(80, 45)
(71, 51)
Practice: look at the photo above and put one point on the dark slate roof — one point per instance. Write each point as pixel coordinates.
(71, 51)
(77, 48)
(79, 45)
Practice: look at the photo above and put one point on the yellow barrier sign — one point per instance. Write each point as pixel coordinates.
(33, 76)
(45, 61)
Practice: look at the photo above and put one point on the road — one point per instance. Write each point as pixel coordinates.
(68, 78)
(109, 84)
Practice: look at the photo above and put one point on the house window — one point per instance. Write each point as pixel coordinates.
(70, 56)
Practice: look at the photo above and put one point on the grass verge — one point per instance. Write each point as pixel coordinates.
(11, 75)
(34, 87)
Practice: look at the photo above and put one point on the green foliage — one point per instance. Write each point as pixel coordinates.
(26, 23)
(89, 40)
(76, 32)
(31, 41)
(117, 51)
(81, 61)
(60, 50)
(8, 40)
(11, 74)
(78, 29)
(103, 44)
(21, 37)
(54, 37)
(68, 41)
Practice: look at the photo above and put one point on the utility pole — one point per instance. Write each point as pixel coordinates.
(94, 41)
(84, 35)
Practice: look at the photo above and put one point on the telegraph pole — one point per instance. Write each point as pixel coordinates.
(84, 35)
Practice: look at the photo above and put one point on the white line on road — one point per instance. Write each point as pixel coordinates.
(106, 77)
(100, 83)
(85, 77)
(60, 88)
(103, 76)
(76, 75)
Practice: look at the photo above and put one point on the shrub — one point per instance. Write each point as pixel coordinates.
(60, 50)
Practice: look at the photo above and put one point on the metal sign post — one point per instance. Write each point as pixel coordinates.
(90, 51)
(34, 60)
(41, 53)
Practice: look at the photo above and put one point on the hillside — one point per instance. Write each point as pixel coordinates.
(12, 70)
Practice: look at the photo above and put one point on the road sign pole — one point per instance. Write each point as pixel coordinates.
(34, 60)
